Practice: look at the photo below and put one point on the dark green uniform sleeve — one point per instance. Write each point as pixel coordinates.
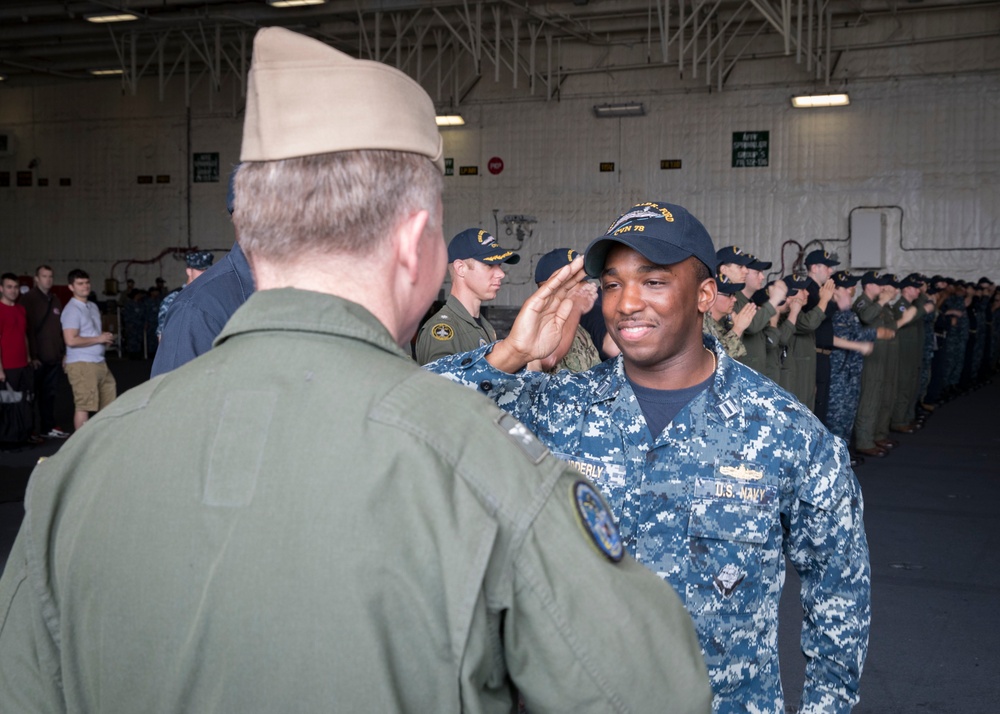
(808, 321)
(868, 311)
(785, 331)
(760, 320)
(587, 634)
(431, 347)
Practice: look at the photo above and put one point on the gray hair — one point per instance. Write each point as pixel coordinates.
(346, 202)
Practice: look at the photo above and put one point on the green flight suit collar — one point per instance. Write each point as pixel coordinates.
(289, 309)
(459, 312)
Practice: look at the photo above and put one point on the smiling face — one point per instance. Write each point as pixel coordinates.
(654, 313)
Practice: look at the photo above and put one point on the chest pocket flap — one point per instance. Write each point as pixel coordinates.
(723, 519)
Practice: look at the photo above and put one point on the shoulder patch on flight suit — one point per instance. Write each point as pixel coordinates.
(442, 331)
(596, 521)
(522, 436)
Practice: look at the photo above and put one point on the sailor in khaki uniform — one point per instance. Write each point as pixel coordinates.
(474, 264)
(328, 527)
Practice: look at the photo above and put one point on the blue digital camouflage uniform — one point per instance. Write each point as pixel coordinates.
(845, 374)
(742, 477)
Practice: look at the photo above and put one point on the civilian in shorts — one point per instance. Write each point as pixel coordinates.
(92, 382)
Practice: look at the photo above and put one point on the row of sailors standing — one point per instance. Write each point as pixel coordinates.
(870, 354)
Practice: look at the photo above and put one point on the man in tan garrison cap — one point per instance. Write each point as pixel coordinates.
(328, 527)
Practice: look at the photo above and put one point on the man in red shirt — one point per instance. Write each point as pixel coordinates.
(14, 367)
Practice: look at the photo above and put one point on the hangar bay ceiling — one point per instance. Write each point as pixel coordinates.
(525, 46)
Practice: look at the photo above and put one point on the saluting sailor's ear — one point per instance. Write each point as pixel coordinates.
(706, 295)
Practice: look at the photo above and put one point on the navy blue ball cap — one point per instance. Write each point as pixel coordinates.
(552, 261)
(796, 283)
(478, 244)
(663, 233)
(726, 286)
(843, 279)
(822, 256)
(199, 259)
(873, 276)
(910, 281)
(732, 254)
(758, 264)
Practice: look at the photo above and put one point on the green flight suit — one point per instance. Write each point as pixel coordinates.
(911, 353)
(798, 371)
(888, 393)
(872, 374)
(777, 343)
(302, 520)
(452, 330)
(754, 337)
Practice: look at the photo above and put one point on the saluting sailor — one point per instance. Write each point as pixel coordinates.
(475, 261)
(714, 473)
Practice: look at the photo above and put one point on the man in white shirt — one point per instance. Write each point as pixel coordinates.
(93, 384)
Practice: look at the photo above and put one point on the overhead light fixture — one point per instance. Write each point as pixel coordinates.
(808, 101)
(632, 109)
(449, 120)
(106, 72)
(111, 17)
(294, 3)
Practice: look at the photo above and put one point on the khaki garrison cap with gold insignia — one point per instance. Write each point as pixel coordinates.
(306, 98)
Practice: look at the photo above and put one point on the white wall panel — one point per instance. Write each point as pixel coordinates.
(927, 150)
(924, 150)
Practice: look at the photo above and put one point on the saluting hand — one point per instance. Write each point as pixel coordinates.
(742, 319)
(538, 328)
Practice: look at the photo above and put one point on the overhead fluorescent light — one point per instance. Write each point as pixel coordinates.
(106, 72)
(294, 3)
(449, 120)
(807, 101)
(111, 17)
(631, 109)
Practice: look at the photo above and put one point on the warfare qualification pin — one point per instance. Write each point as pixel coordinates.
(728, 579)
